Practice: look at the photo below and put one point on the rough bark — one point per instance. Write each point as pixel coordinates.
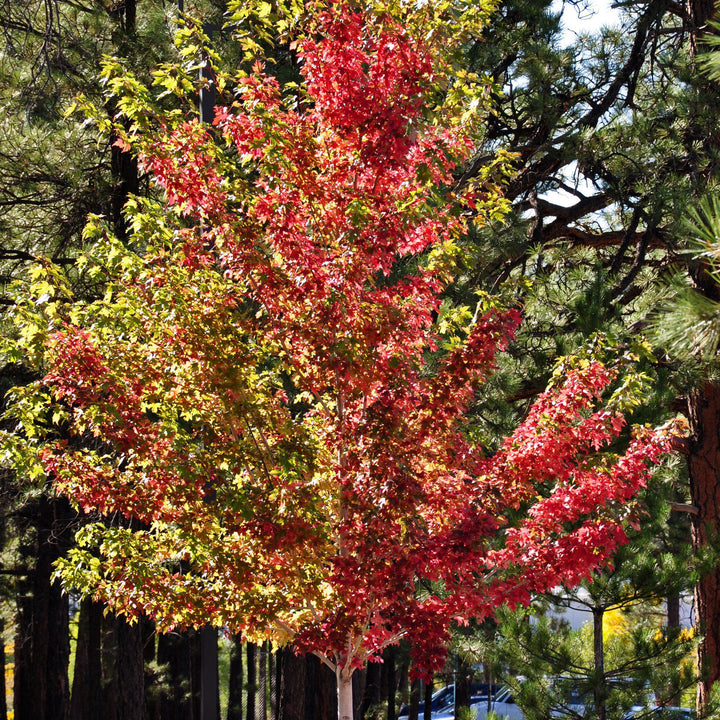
(130, 671)
(320, 692)
(251, 680)
(42, 647)
(235, 681)
(599, 689)
(371, 695)
(3, 694)
(388, 681)
(261, 693)
(209, 687)
(86, 700)
(177, 654)
(291, 705)
(427, 709)
(704, 472)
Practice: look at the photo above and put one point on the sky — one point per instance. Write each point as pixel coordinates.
(587, 16)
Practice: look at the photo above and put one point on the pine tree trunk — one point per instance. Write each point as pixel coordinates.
(177, 655)
(130, 671)
(704, 469)
(235, 681)
(427, 710)
(390, 682)
(414, 706)
(42, 645)
(320, 690)
(3, 695)
(371, 695)
(599, 694)
(261, 692)
(209, 688)
(86, 699)
(291, 704)
(251, 680)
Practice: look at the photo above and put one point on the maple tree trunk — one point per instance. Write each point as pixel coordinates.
(344, 694)
(703, 464)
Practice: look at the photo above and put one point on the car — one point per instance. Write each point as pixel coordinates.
(503, 705)
(443, 700)
(440, 699)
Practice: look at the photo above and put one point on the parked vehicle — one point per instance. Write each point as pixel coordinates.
(503, 705)
(443, 701)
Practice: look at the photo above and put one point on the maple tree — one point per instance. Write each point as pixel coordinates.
(273, 394)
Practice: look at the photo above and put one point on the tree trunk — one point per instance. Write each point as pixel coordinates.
(235, 682)
(427, 710)
(703, 469)
(697, 14)
(209, 687)
(261, 693)
(3, 695)
(86, 701)
(320, 690)
(177, 656)
(599, 693)
(251, 680)
(130, 671)
(391, 681)
(463, 689)
(371, 695)
(344, 694)
(292, 690)
(42, 645)
(414, 705)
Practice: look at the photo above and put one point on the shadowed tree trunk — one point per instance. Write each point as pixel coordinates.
(261, 693)
(704, 471)
(291, 704)
(86, 700)
(320, 691)
(130, 671)
(371, 695)
(3, 695)
(42, 645)
(251, 680)
(428, 701)
(178, 656)
(235, 682)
